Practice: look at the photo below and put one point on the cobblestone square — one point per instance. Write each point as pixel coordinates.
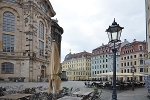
(138, 94)
(75, 84)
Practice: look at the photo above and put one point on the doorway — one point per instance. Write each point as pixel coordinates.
(43, 69)
(42, 73)
(141, 78)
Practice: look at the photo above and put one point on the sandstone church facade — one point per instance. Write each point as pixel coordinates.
(26, 33)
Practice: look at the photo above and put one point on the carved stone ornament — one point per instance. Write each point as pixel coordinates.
(26, 20)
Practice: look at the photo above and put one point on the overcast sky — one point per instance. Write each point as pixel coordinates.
(85, 21)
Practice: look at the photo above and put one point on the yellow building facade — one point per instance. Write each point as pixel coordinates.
(77, 66)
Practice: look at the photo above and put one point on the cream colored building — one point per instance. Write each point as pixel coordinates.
(77, 66)
(133, 54)
(26, 33)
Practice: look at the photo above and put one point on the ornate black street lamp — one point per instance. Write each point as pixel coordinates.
(133, 70)
(114, 34)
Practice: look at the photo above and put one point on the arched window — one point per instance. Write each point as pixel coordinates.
(41, 48)
(41, 30)
(7, 68)
(8, 22)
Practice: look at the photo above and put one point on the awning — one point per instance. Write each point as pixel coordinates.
(119, 74)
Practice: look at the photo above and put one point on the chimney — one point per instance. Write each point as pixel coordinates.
(134, 40)
(102, 44)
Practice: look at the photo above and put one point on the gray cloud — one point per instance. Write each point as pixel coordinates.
(85, 21)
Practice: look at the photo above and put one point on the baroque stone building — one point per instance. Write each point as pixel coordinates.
(26, 33)
(147, 11)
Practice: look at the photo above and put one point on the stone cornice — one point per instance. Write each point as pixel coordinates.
(25, 5)
(53, 12)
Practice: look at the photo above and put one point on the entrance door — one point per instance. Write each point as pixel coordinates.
(42, 73)
(141, 78)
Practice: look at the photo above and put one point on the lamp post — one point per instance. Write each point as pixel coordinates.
(114, 34)
(133, 70)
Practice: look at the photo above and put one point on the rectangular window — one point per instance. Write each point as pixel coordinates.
(97, 66)
(140, 55)
(41, 48)
(7, 68)
(128, 64)
(131, 63)
(8, 43)
(141, 62)
(141, 69)
(124, 58)
(121, 71)
(127, 70)
(124, 70)
(122, 64)
(97, 72)
(134, 56)
(134, 62)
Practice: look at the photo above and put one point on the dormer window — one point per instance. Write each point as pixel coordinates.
(43, 8)
(140, 48)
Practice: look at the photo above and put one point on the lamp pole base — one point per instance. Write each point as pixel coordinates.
(132, 86)
(114, 97)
